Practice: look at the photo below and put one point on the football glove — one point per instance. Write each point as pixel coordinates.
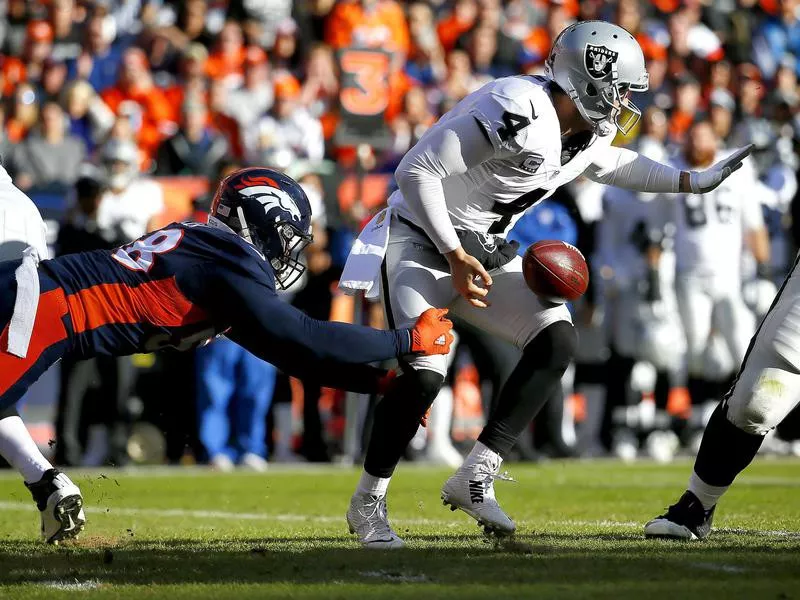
(701, 182)
(432, 333)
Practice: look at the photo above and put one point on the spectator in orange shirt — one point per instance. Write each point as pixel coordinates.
(24, 113)
(135, 85)
(460, 21)
(38, 47)
(191, 80)
(369, 24)
(227, 60)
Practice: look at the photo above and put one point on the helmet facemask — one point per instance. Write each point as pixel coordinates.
(612, 103)
(287, 265)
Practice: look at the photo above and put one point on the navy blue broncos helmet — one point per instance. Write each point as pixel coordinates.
(269, 210)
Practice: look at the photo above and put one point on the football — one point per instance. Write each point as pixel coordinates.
(555, 271)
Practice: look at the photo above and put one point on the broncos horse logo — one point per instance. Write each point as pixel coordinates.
(267, 192)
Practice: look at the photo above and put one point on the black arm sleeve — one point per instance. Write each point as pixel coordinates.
(297, 361)
(268, 326)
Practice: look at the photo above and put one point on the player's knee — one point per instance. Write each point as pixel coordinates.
(555, 347)
(768, 403)
(427, 382)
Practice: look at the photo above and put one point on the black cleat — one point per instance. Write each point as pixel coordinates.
(684, 520)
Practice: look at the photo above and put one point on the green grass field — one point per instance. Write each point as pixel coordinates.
(197, 534)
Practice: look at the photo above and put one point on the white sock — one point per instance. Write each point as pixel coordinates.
(369, 484)
(482, 454)
(708, 495)
(21, 452)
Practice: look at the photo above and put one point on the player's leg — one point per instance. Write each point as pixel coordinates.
(414, 278)
(59, 500)
(548, 341)
(767, 388)
(695, 307)
(216, 385)
(253, 399)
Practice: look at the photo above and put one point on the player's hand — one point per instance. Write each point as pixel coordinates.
(701, 182)
(432, 333)
(465, 270)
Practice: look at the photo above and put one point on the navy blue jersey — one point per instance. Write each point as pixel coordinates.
(181, 285)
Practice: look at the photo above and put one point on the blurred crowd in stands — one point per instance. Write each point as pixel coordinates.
(120, 115)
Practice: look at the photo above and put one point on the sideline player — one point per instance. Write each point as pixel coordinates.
(710, 231)
(178, 287)
(498, 152)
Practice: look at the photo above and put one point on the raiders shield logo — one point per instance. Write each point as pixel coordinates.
(599, 60)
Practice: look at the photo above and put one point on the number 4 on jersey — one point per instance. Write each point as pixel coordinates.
(512, 124)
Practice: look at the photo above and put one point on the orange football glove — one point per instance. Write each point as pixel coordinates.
(432, 333)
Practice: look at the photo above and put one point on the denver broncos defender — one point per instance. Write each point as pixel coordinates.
(179, 287)
(498, 152)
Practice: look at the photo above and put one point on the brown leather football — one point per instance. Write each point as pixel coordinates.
(555, 271)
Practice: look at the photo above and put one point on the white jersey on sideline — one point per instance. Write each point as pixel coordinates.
(518, 117)
(21, 224)
(710, 228)
(128, 212)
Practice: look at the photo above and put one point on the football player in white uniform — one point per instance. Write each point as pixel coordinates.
(710, 231)
(22, 235)
(440, 243)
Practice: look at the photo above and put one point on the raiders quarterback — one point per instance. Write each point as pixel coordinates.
(440, 243)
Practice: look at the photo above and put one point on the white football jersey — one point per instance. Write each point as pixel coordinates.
(710, 228)
(20, 222)
(517, 115)
(129, 211)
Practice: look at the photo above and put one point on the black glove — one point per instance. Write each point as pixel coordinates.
(492, 251)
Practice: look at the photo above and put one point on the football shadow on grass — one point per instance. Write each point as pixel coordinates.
(446, 559)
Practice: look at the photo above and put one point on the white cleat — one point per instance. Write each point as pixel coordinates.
(254, 462)
(221, 463)
(368, 518)
(60, 505)
(471, 489)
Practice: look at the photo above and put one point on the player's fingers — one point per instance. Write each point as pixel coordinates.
(484, 275)
(441, 313)
(735, 160)
(473, 289)
(478, 303)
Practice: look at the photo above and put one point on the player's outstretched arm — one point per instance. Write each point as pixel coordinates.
(249, 305)
(627, 169)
